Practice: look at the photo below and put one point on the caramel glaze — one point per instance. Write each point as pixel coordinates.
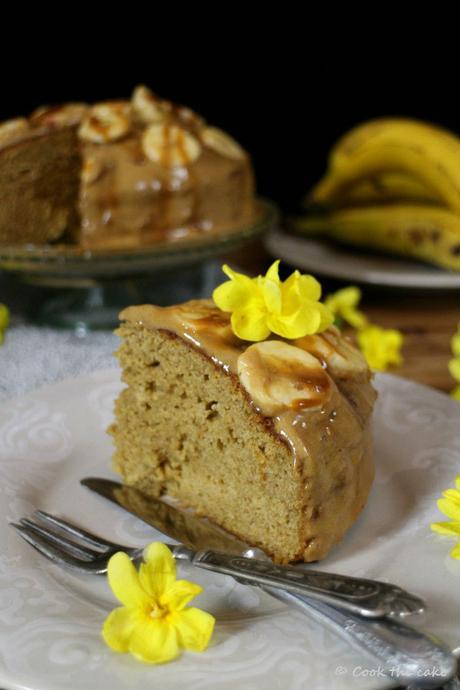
(135, 202)
(208, 329)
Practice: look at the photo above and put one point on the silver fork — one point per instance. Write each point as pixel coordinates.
(78, 549)
(393, 645)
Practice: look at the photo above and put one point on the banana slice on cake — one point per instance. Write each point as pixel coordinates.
(336, 354)
(105, 122)
(221, 142)
(170, 145)
(279, 376)
(149, 108)
(11, 129)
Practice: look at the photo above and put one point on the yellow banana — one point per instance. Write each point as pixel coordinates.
(379, 130)
(428, 233)
(387, 187)
(428, 154)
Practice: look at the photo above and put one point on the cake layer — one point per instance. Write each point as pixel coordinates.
(273, 443)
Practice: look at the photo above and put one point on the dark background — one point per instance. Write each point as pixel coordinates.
(285, 90)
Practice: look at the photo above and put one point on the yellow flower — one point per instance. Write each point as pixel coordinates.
(4, 321)
(381, 347)
(154, 622)
(454, 368)
(343, 304)
(455, 342)
(454, 364)
(264, 305)
(455, 553)
(455, 394)
(450, 506)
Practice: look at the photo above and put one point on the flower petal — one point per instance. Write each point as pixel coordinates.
(158, 573)
(450, 528)
(194, 628)
(449, 508)
(309, 287)
(354, 317)
(455, 553)
(272, 295)
(179, 594)
(455, 394)
(455, 343)
(305, 321)
(230, 295)
(273, 272)
(154, 641)
(250, 324)
(454, 368)
(452, 495)
(124, 581)
(326, 317)
(118, 628)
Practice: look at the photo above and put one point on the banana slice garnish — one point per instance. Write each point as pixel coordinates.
(105, 122)
(170, 145)
(279, 376)
(219, 141)
(147, 107)
(10, 129)
(338, 355)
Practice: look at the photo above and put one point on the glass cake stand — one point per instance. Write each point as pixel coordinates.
(69, 287)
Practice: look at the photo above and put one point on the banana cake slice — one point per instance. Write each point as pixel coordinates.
(270, 440)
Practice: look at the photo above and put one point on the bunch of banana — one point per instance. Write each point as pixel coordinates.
(392, 184)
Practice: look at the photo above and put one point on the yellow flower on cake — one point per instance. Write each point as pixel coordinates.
(449, 505)
(264, 305)
(344, 305)
(155, 621)
(4, 321)
(381, 347)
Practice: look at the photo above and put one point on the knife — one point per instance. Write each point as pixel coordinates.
(207, 546)
(401, 651)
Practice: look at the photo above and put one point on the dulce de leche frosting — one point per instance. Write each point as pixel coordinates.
(293, 383)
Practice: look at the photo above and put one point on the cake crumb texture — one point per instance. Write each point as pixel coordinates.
(187, 428)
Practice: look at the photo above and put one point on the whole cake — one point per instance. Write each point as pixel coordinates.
(270, 440)
(134, 173)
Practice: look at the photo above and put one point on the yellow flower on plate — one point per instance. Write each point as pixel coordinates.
(455, 394)
(4, 321)
(154, 622)
(455, 342)
(264, 305)
(454, 364)
(344, 305)
(449, 504)
(381, 347)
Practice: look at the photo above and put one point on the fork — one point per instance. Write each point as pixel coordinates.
(392, 644)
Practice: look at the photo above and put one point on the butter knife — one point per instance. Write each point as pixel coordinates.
(413, 657)
(207, 546)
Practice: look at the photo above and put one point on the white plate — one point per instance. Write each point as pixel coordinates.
(50, 620)
(345, 263)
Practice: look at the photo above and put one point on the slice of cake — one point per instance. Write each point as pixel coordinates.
(271, 440)
(39, 181)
